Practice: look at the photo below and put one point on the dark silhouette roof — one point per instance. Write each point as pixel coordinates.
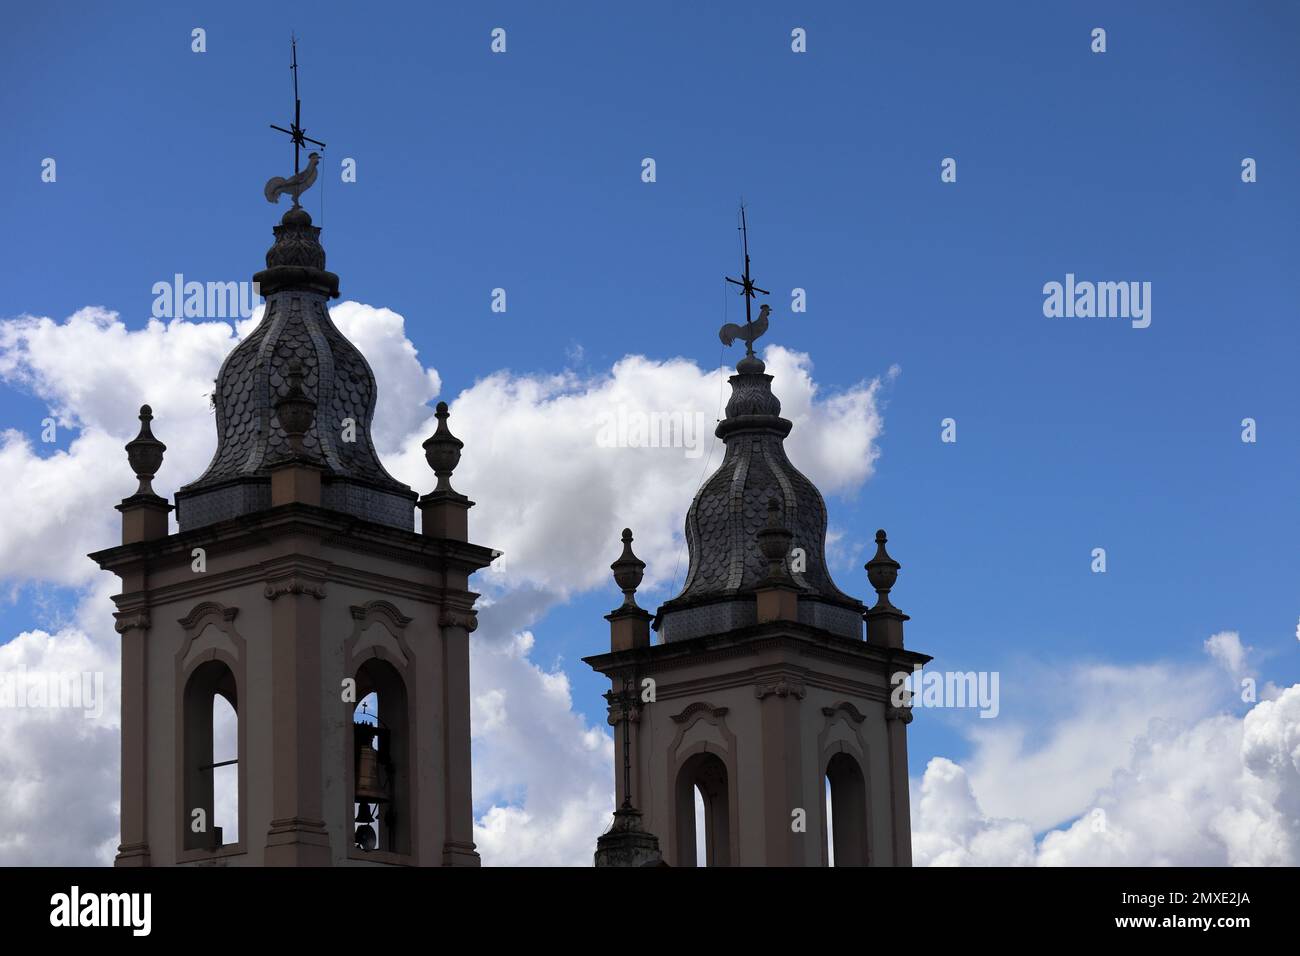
(295, 326)
(731, 507)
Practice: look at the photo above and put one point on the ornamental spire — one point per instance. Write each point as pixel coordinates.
(751, 329)
(145, 453)
(628, 571)
(442, 451)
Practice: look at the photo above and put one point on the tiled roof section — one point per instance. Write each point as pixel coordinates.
(255, 374)
(296, 326)
(724, 519)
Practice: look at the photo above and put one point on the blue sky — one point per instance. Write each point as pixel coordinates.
(522, 171)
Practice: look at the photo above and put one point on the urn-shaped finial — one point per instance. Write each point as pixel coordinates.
(145, 453)
(774, 541)
(882, 570)
(628, 571)
(295, 409)
(442, 450)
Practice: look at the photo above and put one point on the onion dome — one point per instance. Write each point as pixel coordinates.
(294, 359)
(747, 507)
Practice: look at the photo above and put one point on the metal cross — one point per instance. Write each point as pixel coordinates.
(295, 130)
(747, 287)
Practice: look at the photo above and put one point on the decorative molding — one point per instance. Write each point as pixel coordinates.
(456, 617)
(615, 713)
(127, 621)
(692, 709)
(200, 611)
(194, 623)
(782, 687)
(294, 585)
(373, 609)
(898, 713)
(358, 649)
(848, 709)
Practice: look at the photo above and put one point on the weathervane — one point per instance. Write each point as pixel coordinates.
(300, 181)
(751, 329)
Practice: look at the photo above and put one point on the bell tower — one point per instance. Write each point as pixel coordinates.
(761, 703)
(297, 589)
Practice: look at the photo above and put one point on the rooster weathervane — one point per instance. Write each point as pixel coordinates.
(751, 329)
(301, 180)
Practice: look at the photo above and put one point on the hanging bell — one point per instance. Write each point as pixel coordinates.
(365, 837)
(369, 785)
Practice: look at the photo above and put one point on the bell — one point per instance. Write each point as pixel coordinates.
(365, 837)
(370, 788)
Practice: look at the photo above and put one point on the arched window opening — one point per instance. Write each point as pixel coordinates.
(701, 830)
(380, 761)
(210, 727)
(704, 775)
(830, 824)
(225, 769)
(846, 816)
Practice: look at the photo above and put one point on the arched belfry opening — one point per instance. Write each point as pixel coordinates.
(767, 693)
(380, 745)
(847, 839)
(209, 690)
(702, 780)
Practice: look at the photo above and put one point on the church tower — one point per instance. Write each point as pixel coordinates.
(762, 695)
(297, 590)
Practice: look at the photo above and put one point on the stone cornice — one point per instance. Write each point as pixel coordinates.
(749, 641)
(175, 551)
(274, 524)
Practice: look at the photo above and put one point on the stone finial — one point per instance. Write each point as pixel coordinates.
(774, 541)
(442, 450)
(628, 571)
(145, 453)
(295, 409)
(882, 571)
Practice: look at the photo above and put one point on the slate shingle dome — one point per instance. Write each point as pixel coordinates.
(722, 525)
(296, 325)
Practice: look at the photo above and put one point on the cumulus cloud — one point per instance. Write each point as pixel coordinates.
(1187, 786)
(547, 773)
(543, 774)
(1071, 728)
(58, 764)
(1226, 648)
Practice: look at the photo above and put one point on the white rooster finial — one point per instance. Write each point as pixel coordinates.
(294, 185)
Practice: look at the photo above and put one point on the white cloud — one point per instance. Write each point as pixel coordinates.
(1072, 729)
(58, 765)
(1181, 782)
(1226, 648)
